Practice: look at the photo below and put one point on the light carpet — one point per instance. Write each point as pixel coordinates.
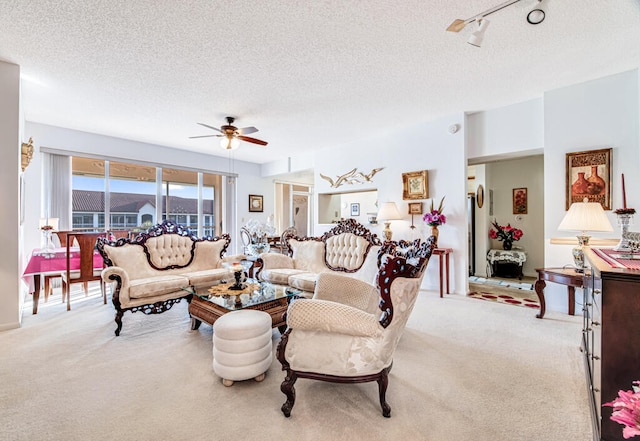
(464, 370)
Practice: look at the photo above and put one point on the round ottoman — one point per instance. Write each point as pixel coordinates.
(242, 345)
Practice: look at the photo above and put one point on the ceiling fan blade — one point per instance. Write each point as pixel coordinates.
(253, 140)
(211, 127)
(247, 130)
(202, 136)
(456, 26)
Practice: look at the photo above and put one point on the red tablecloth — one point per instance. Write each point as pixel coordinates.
(54, 262)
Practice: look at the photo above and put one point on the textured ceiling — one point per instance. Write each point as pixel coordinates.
(308, 74)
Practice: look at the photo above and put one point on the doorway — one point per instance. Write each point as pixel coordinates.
(494, 193)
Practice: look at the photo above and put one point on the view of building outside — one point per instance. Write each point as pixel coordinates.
(132, 197)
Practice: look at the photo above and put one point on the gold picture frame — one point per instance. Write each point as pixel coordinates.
(415, 185)
(256, 203)
(589, 176)
(415, 207)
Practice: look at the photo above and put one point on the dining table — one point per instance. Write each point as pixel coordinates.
(52, 261)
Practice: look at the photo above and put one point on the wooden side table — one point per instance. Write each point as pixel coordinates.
(495, 258)
(443, 257)
(564, 276)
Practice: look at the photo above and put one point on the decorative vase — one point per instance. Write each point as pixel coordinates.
(507, 244)
(47, 241)
(596, 183)
(435, 232)
(624, 220)
(255, 249)
(581, 185)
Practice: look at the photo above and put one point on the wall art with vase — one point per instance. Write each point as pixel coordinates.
(589, 176)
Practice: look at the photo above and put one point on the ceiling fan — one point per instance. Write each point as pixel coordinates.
(231, 135)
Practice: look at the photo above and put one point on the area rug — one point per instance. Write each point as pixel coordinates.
(511, 295)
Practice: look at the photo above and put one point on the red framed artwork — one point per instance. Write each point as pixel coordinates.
(589, 176)
(520, 201)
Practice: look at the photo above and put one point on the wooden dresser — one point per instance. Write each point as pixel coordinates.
(610, 338)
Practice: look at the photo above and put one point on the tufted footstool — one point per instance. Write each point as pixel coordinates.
(242, 345)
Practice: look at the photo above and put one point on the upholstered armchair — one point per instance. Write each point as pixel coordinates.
(349, 330)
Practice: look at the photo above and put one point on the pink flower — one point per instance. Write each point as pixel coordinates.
(505, 232)
(626, 410)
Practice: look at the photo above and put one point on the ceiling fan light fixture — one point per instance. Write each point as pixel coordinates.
(229, 142)
(477, 36)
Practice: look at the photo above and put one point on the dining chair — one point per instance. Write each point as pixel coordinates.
(86, 273)
(48, 288)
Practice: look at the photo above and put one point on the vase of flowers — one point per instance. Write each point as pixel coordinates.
(434, 218)
(506, 234)
(626, 410)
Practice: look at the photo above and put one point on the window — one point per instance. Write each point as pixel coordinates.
(130, 203)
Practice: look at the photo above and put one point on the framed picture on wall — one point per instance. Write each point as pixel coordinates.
(256, 203)
(415, 185)
(519, 198)
(415, 207)
(589, 176)
(355, 209)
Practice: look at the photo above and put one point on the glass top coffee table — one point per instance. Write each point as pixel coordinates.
(211, 302)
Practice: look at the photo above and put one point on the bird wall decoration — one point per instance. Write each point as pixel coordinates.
(352, 177)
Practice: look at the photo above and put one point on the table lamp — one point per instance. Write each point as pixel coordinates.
(584, 216)
(388, 211)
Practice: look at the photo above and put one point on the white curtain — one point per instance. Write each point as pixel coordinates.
(57, 189)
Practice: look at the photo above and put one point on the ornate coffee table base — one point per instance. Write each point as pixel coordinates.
(208, 312)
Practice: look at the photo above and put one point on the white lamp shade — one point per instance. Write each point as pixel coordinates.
(585, 216)
(53, 222)
(388, 211)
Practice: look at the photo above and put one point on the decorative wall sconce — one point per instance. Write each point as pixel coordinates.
(26, 153)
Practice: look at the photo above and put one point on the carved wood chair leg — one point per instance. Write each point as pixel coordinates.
(119, 321)
(383, 382)
(86, 289)
(287, 388)
(68, 297)
(103, 288)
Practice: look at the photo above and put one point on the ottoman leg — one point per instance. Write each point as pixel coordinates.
(260, 377)
(227, 383)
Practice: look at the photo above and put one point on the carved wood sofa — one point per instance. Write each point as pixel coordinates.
(153, 269)
(348, 248)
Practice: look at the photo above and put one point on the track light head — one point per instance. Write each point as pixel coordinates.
(476, 37)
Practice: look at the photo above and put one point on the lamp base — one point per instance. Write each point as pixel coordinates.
(578, 252)
(387, 231)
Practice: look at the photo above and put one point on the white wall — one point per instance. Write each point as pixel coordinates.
(506, 130)
(10, 146)
(427, 146)
(597, 114)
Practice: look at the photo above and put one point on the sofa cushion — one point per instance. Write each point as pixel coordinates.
(279, 276)
(200, 278)
(132, 259)
(346, 250)
(170, 250)
(308, 255)
(207, 255)
(304, 281)
(156, 285)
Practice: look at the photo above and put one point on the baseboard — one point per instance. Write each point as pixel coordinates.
(7, 326)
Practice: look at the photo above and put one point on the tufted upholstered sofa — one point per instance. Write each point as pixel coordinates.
(152, 270)
(348, 248)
